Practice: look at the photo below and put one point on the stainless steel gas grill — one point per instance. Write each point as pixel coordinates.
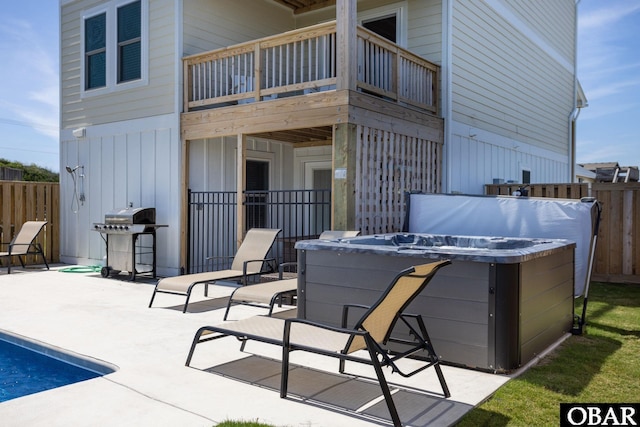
(130, 237)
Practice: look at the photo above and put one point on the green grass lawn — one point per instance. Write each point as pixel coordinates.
(600, 366)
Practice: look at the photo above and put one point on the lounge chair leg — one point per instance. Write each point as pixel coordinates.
(443, 383)
(153, 296)
(226, 312)
(383, 382)
(186, 303)
(196, 338)
(39, 249)
(284, 380)
(433, 356)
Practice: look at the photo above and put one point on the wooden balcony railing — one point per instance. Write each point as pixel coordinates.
(304, 61)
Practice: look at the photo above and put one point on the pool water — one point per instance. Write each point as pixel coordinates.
(24, 371)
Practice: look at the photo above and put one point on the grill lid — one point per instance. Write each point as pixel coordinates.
(131, 216)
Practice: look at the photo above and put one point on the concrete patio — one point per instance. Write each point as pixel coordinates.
(108, 320)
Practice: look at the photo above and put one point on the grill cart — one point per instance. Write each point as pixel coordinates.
(130, 238)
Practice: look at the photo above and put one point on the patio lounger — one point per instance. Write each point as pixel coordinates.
(261, 294)
(23, 243)
(371, 333)
(268, 293)
(248, 261)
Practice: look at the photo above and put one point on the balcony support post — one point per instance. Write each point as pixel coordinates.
(241, 177)
(346, 60)
(343, 203)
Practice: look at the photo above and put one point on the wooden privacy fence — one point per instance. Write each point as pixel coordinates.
(31, 201)
(617, 256)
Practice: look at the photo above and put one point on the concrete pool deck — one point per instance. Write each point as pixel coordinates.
(108, 320)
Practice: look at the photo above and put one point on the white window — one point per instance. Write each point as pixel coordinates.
(388, 21)
(114, 47)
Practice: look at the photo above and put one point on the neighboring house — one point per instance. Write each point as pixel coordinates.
(584, 175)
(612, 172)
(372, 98)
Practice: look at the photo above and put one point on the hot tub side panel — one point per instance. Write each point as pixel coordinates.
(546, 302)
(455, 305)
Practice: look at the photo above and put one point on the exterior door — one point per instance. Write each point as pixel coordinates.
(318, 180)
(257, 185)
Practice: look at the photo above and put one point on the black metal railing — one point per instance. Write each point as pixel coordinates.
(211, 230)
(300, 214)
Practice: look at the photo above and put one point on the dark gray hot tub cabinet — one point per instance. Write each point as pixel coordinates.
(492, 311)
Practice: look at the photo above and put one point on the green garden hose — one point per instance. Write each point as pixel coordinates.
(82, 269)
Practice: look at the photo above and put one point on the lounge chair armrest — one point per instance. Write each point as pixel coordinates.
(345, 312)
(290, 321)
(265, 260)
(283, 266)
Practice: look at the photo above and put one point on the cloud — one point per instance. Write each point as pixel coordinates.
(30, 76)
(603, 17)
(612, 88)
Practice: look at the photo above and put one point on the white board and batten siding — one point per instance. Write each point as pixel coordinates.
(482, 156)
(133, 162)
(512, 92)
(212, 163)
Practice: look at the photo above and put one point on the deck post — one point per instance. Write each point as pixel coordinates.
(343, 196)
(241, 177)
(346, 44)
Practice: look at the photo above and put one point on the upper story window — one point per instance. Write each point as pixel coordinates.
(115, 46)
(388, 21)
(129, 29)
(95, 46)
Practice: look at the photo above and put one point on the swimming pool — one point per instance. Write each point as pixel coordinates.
(28, 367)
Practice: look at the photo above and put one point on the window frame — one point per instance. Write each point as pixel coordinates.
(399, 10)
(110, 9)
(525, 169)
(121, 45)
(88, 54)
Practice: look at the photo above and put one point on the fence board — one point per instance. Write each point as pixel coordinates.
(617, 257)
(22, 201)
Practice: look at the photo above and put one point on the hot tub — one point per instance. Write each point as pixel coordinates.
(500, 303)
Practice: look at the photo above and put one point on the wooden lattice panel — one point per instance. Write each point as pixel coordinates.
(389, 165)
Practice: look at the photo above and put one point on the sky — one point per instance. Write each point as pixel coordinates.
(608, 70)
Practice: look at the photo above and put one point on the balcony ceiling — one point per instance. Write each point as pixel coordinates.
(302, 6)
(309, 135)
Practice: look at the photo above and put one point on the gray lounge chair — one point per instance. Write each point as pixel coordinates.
(23, 243)
(371, 333)
(250, 260)
(269, 293)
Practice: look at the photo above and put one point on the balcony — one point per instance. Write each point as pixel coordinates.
(302, 62)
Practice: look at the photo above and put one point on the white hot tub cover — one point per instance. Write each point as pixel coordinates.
(506, 216)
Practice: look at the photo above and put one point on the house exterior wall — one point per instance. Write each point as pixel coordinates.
(128, 141)
(157, 97)
(424, 32)
(135, 161)
(205, 28)
(508, 67)
(512, 81)
(212, 163)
